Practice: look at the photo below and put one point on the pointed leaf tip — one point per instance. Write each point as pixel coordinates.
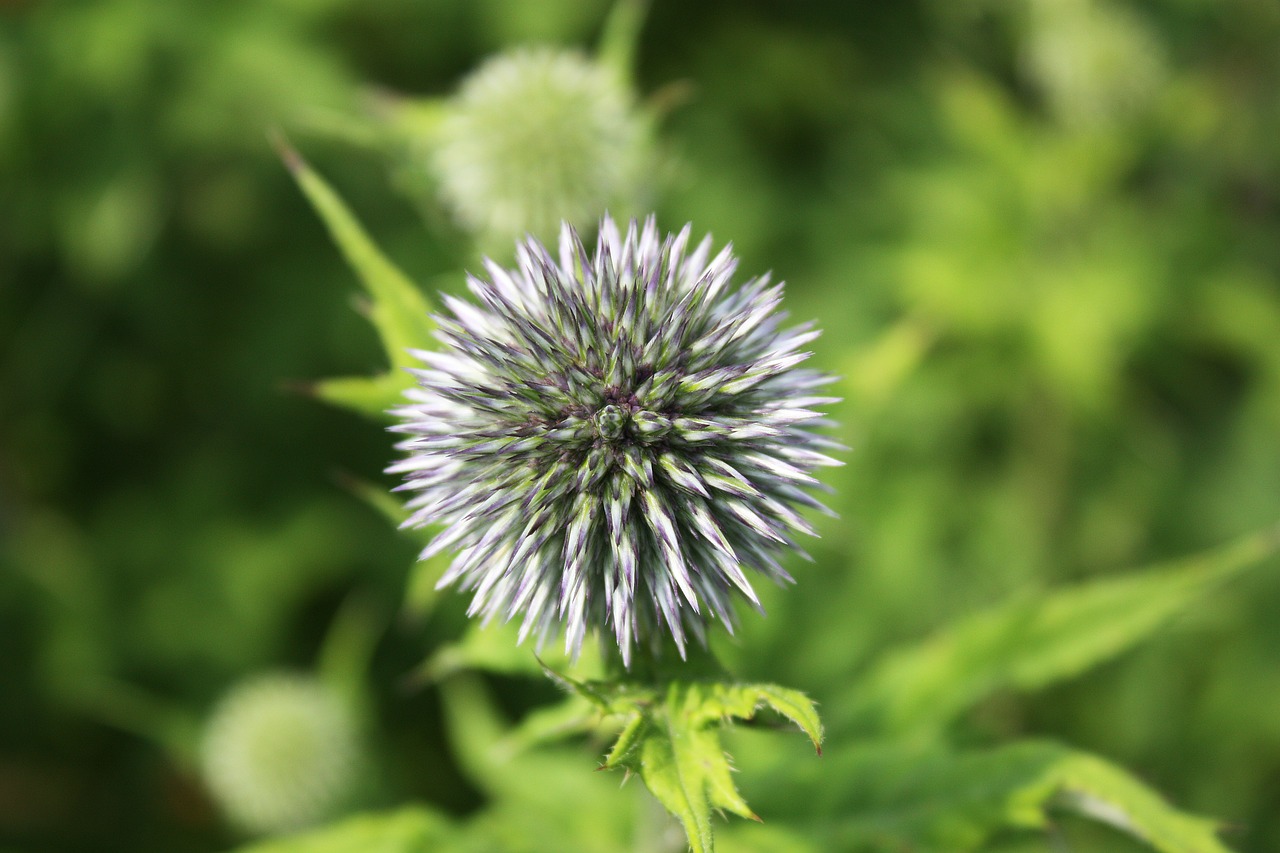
(288, 154)
(398, 310)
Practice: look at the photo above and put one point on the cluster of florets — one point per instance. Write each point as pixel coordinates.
(614, 441)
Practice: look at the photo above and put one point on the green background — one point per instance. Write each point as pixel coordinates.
(1043, 240)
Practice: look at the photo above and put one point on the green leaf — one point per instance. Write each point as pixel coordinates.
(796, 707)
(575, 715)
(345, 655)
(421, 592)
(617, 49)
(371, 396)
(410, 830)
(891, 796)
(1033, 642)
(377, 496)
(672, 740)
(1100, 790)
(496, 648)
(540, 800)
(399, 311)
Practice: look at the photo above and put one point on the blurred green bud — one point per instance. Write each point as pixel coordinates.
(536, 136)
(1094, 62)
(281, 752)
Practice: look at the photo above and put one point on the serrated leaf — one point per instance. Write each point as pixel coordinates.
(399, 311)
(410, 830)
(796, 707)
(629, 740)
(1033, 642)
(673, 743)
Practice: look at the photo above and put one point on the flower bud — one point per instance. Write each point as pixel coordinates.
(534, 137)
(281, 752)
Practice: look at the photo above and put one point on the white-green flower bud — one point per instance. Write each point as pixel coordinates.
(1094, 62)
(535, 137)
(281, 752)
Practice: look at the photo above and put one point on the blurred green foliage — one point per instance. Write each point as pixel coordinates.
(1041, 240)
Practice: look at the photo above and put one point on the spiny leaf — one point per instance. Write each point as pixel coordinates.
(673, 743)
(398, 310)
(796, 707)
(1033, 642)
(629, 740)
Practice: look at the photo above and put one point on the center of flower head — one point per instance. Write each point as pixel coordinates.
(610, 422)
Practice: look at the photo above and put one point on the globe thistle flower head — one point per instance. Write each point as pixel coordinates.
(281, 752)
(614, 441)
(534, 137)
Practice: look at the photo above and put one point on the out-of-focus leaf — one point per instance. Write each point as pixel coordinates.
(872, 373)
(371, 396)
(343, 663)
(1107, 793)
(409, 830)
(379, 498)
(621, 34)
(767, 838)
(575, 715)
(543, 799)
(1036, 641)
(892, 796)
(399, 311)
(496, 648)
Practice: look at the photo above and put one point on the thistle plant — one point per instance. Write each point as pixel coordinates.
(281, 752)
(619, 441)
(614, 441)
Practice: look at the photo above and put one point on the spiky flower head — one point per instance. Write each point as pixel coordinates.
(281, 752)
(534, 137)
(614, 441)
